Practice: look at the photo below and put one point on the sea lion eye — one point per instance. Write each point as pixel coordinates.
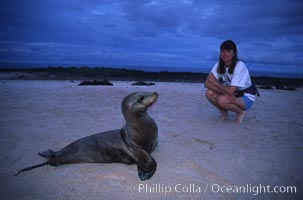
(141, 98)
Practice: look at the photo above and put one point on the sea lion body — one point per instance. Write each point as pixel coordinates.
(103, 147)
(132, 144)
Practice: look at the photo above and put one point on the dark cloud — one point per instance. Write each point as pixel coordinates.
(150, 32)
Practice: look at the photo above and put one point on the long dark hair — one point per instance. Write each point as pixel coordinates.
(228, 45)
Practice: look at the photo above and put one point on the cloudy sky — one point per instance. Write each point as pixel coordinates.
(174, 33)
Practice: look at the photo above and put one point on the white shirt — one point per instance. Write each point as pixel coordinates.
(240, 78)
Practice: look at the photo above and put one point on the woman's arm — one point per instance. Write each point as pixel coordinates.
(213, 84)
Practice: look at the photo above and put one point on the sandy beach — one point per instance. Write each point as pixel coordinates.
(198, 157)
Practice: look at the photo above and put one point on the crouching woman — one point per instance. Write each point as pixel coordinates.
(229, 86)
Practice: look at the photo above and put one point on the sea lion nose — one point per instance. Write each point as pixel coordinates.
(155, 93)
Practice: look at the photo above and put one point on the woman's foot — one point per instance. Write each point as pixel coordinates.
(241, 116)
(224, 115)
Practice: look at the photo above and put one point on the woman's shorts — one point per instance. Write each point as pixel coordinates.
(248, 102)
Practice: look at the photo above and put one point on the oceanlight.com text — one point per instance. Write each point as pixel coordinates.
(251, 189)
(215, 188)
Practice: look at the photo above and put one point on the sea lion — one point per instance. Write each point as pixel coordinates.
(132, 144)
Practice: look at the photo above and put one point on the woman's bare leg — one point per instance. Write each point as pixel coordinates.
(212, 98)
(237, 106)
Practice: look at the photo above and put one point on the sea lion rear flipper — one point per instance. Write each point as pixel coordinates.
(31, 167)
(146, 165)
(47, 154)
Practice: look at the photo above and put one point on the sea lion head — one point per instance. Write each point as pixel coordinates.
(137, 103)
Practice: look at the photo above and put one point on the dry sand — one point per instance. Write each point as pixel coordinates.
(196, 153)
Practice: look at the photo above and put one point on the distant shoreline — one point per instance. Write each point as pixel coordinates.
(123, 74)
(146, 68)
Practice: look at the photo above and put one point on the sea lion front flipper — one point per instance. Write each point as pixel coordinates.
(146, 165)
(147, 170)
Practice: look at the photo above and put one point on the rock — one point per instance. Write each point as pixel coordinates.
(283, 87)
(96, 82)
(142, 83)
(266, 87)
